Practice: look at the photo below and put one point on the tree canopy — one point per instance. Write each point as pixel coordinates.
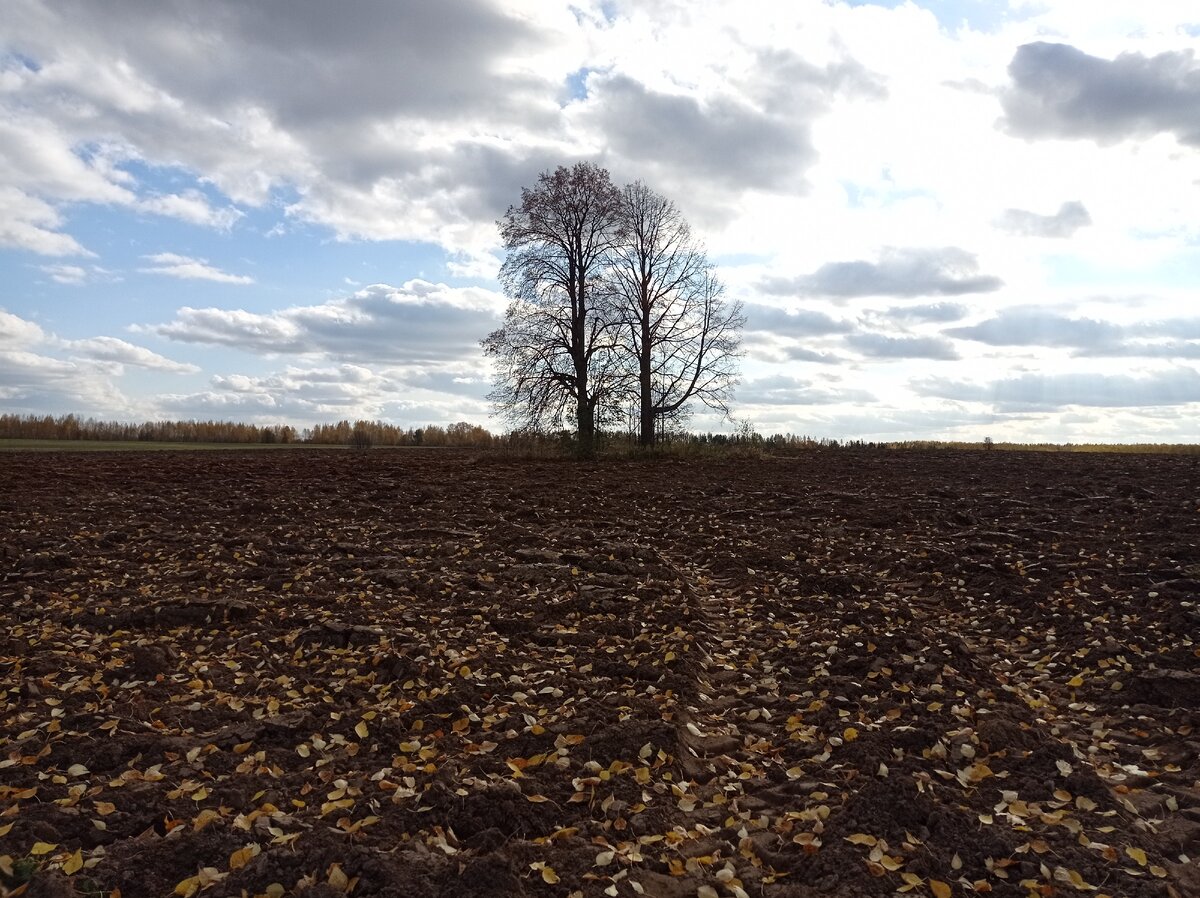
(613, 306)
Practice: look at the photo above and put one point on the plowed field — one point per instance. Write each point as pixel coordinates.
(420, 674)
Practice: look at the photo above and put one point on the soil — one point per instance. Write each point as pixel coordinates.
(843, 673)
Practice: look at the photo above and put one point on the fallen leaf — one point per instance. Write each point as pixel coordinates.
(1138, 855)
(243, 856)
(74, 863)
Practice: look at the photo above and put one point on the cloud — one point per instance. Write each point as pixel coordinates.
(1091, 338)
(323, 394)
(18, 332)
(193, 207)
(724, 139)
(1032, 327)
(1035, 391)
(793, 353)
(36, 382)
(1070, 217)
(1059, 91)
(31, 383)
(110, 349)
(32, 224)
(187, 268)
(785, 390)
(380, 122)
(417, 323)
(66, 274)
(937, 312)
(881, 346)
(948, 271)
(1136, 349)
(793, 322)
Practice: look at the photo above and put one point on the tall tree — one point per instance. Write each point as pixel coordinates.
(682, 336)
(555, 354)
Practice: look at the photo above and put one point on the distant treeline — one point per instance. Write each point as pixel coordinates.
(364, 434)
(343, 433)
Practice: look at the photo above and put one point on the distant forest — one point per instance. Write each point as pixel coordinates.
(365, 434)
(343, 433)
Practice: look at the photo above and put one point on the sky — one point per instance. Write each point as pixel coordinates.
(949, 219)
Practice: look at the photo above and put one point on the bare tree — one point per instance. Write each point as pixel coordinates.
(555, 354)
(682, 335)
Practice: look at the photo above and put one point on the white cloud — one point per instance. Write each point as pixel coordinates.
(66, 274)
(885, 346)
(1035, 391)
(900, 272)
(31, 224)
(193, 207)
(16, 331)
(111, 349)
(34, 379)
(309, 395)
(1070, 217)
(31, 383)
(187, 268)
(416, 323)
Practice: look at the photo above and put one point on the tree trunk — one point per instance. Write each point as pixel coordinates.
(646, 435)
(586, 423)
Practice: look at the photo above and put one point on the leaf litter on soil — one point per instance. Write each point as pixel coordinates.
(426, 674)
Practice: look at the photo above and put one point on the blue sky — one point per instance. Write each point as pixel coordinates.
(950, 219)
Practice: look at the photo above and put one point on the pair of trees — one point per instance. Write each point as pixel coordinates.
(613, 304)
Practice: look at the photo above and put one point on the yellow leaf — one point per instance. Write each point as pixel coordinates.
(243, 856)
(536, 799)
(548, 875)
(205, 817)
(200, 794)
(850, 734)
(1075, 682)
(5, 829)
(74, 863)
(862, 839)
(361, 729)
(1138, 855)
(103, 808)
(40, 848)
(337, 878)
(188, 887)
(940, 889)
